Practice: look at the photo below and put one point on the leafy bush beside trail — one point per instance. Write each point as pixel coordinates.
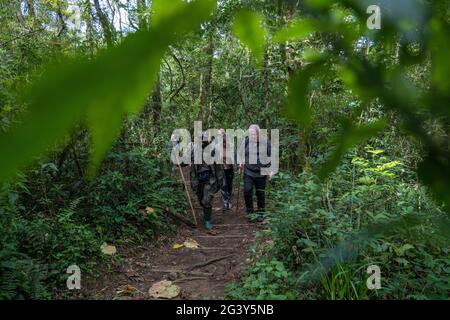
(63, 221)
(308, 218)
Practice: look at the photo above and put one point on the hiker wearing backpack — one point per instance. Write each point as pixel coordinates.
(253, 179)
(206, 180)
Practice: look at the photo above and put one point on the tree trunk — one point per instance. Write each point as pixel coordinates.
(105, 24)
(266, 88)
(205, 87)
(143, 22)
(59, 12)
(31, 19)
(30, 9)
(157, 103)
(286, 12)
(90, 32)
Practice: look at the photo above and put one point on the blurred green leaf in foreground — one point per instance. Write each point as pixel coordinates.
(100, 91)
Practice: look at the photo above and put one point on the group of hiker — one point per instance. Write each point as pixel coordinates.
(209, 179)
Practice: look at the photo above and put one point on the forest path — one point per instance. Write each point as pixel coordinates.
(200, 273)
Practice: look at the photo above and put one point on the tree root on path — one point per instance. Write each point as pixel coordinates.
(225, 225)
(180, 218)
(223, 236)
(211, 261)
(189, 279)
(188, 271)
(215, 248)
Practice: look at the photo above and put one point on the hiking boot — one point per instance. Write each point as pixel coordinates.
(207, 213)
(261, 218)
(208, 225)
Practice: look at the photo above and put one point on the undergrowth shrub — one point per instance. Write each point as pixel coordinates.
(308, 218)
(50, 221)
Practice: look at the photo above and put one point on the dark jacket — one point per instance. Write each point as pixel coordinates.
(216, 176)
(254, 170)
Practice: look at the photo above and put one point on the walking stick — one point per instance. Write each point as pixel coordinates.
(187, 192)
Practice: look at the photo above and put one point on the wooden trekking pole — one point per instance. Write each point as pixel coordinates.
(187, 192)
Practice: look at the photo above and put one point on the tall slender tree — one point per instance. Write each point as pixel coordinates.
(206, 77)
(107, 26)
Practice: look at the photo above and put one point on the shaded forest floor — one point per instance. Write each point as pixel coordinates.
(201, 273)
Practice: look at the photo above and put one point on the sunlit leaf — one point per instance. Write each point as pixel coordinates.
(164, 289)
(108, 249)
(403, 248)
(127, 290)
(191, 244)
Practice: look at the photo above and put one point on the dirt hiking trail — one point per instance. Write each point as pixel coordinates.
(200, 273)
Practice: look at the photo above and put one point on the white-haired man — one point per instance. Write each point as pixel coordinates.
(253, 179)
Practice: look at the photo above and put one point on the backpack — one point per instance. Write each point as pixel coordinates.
(204, 173)
(204, 176)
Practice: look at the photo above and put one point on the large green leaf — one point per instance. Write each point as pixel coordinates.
(434, 171)
(101, 91)
(249, 27)
(440, 50)
(299, 29)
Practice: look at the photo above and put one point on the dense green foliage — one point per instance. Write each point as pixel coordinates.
(86, 108)
(51, 221)
(308, 218)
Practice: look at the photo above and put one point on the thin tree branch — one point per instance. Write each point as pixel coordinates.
(183, 83)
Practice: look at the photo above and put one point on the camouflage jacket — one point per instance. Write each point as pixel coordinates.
(216, 176)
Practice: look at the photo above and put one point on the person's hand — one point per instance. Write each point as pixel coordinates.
(270, 176)
(240, 168)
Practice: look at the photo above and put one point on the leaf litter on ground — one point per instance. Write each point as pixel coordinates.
(188, 243)
(108, 249)
(164, 289)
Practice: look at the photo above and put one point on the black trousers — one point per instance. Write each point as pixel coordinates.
(260, 185)
(227, 187)
(205, 195)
